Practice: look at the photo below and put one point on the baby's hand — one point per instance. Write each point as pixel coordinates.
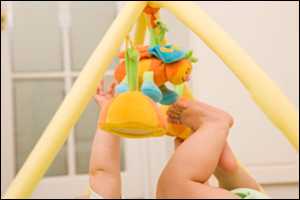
(102, 97)
(197, 114)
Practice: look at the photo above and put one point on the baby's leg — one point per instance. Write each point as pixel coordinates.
(199, 155)
(105, 177)
(202, 150)
(196, 159)
(190, 167)
(232, 175)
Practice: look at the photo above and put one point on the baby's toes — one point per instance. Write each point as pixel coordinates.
(174, 120)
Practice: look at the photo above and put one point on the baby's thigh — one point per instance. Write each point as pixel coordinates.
(187, 188)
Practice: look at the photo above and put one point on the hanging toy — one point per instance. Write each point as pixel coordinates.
(131, 113)
(157, 73)
(158, 64)
(140, 106)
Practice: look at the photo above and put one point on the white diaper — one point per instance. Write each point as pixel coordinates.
(94, 195)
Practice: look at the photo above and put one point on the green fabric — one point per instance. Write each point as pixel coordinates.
(153, 37)
(162, 31)
(157, 38)
(179, 89)
(131, 64)
(246, 193)
(148, 76)
(189, 55)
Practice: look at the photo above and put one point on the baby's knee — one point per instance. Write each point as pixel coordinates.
(182, 187)
(167, 184)
(172, 184)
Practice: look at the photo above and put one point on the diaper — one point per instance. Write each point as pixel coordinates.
(94, 195)
(246, 193)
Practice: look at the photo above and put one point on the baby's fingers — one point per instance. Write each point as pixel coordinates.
(181, 104)
(111, 90)
(100, 90)
(175, 109)
(174, 120)
(173, 114)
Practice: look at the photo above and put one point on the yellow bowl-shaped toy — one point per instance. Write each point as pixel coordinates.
(132, 115)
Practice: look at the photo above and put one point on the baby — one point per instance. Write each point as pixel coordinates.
(195, 160)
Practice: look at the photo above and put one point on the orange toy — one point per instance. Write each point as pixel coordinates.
(175, 73)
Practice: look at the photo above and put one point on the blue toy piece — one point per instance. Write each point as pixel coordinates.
(169, 96)
(123, 86)
(167, 53)
(149, 88)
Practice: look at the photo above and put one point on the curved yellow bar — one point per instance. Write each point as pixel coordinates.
(140, 31)
(74, 104)
(3, 20)
(263, 90)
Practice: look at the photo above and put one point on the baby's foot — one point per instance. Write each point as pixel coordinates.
(185, 112)
(195, 114)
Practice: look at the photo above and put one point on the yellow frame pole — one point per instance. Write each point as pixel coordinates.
(3, 19)
(140, 31)
(263, 90)
(74, 104)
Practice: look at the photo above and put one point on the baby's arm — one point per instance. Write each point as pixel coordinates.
(105, 178)
(104, 170)
(196, 159)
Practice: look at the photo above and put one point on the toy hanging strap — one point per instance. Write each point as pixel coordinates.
(156, 28)
(152, 13)
(131, 64)
(158, 33)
